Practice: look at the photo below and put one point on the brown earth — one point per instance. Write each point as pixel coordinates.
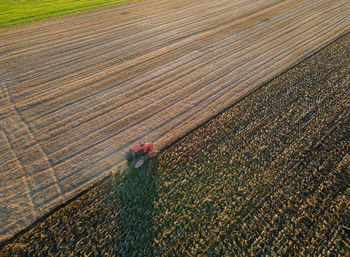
(76, 92)
(268, 176)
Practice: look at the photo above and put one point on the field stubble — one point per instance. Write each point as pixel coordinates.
(269, 175)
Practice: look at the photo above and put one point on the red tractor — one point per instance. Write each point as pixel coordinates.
(139, 154)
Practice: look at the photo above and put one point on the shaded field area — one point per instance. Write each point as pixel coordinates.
(269, 175)
(78, 91)
(14, 12)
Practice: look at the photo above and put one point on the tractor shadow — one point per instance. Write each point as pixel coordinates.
(136, 189)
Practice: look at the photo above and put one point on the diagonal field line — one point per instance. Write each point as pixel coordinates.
(85, 88)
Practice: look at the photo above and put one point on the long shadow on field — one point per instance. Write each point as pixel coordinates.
(114, 218)
(135, 228)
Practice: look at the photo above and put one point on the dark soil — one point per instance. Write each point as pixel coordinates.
(268, 176)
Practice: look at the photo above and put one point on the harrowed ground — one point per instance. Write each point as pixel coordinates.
(269, 175)
(76, 92)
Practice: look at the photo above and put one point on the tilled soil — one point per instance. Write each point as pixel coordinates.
(269, 175)
(76, 92)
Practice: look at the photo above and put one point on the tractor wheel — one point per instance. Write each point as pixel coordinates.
(128, 156)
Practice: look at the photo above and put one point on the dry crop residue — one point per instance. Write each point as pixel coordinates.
(270, 175)
(86, 87)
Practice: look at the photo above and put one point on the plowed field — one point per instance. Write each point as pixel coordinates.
(76, 92)
(268, 176)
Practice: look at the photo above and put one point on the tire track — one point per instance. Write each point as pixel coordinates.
(89, 85)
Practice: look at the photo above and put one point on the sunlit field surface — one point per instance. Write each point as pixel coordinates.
(267, 177)
(13, 12)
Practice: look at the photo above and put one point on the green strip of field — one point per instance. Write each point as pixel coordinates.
(14, 12)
